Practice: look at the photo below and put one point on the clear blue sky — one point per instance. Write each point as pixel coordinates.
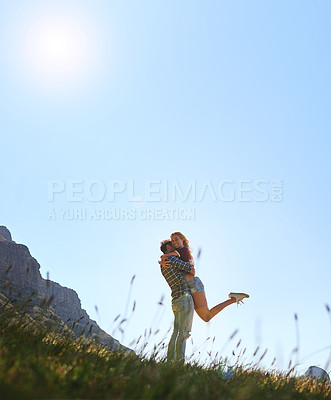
(176, 93)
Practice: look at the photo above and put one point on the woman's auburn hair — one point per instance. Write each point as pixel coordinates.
(184, 239)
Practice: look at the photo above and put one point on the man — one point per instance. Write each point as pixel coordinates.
(174, 271)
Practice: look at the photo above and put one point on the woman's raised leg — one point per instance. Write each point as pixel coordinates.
(201, 306)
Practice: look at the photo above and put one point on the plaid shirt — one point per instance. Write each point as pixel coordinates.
(175, 276)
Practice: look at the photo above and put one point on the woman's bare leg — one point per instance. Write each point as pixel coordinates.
(201, 306)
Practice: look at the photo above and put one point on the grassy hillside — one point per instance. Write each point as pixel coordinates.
(36, 363)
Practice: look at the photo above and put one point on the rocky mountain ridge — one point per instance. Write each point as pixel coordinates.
(20, 280)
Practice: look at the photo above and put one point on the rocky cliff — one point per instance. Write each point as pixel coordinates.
(21, 281)
(5, 234)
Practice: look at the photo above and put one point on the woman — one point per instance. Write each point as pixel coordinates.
(182, 250)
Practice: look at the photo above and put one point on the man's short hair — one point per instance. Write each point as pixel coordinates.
(164, 245)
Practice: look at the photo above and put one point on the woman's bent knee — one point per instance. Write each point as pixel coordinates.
(204, 314)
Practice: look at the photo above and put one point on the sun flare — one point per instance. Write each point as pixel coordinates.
(55, 43)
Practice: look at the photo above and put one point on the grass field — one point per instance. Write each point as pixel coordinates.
(41, 364)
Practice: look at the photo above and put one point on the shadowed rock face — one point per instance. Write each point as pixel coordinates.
(317, 372)
(20, 279)
(5, 233)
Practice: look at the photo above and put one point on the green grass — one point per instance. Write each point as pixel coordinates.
(42, 364)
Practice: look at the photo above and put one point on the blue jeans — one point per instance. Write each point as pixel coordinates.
(183, 309)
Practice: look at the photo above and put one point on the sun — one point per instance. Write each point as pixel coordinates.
(56, 43)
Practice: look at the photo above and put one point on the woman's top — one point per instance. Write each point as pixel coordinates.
(184, 254)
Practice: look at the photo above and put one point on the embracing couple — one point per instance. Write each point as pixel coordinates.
(187, 292)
